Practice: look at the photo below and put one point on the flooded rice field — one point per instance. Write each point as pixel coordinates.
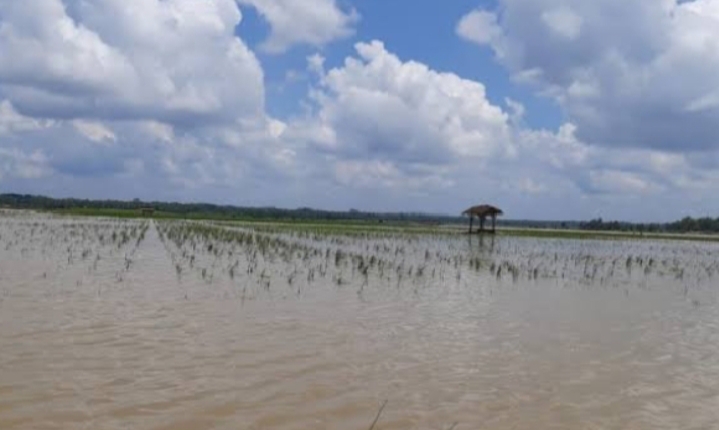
(140, 324)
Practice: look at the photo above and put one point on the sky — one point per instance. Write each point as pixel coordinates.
(549, 109)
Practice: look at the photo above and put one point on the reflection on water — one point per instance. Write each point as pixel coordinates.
(98, 343)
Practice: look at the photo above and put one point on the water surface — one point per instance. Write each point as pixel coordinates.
(306, 340)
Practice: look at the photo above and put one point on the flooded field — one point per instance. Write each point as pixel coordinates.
(139, 324)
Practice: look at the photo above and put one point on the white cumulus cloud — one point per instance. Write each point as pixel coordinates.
(168, 60)
(563, 21)
(94, 131)
(379, 107)
(630, 73)
(311, 22)
(479, 26)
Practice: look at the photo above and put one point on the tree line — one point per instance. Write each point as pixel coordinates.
(685, 225)
(207, 210)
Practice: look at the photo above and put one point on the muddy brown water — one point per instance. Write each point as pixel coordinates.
(103, 346)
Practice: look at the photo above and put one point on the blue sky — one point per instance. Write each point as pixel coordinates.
(551, 109)
(425, 32)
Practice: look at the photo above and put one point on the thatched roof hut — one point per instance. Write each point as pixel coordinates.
(482, 212)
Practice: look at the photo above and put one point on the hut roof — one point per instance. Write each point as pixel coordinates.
(483, 210)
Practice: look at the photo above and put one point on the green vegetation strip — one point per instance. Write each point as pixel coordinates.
(452, 229)
(350, 227)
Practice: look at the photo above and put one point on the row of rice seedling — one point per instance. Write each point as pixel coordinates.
(262, 258)
(249, 261)
(57, 249)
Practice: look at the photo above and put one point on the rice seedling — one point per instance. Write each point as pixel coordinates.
(250, 260)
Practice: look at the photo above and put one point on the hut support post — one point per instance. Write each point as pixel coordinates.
(471, 219)
(494, 223)
(481, 224)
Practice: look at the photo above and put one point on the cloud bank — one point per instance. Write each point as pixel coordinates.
(629, 73)
(163, 99)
